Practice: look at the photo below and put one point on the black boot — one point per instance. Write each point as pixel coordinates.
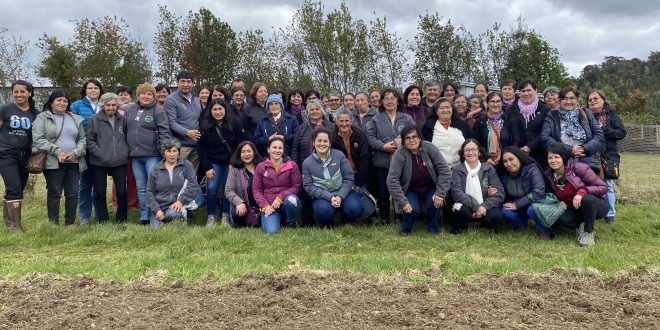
(13, 209)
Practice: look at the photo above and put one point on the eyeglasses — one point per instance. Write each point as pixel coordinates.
(311, 98)
(412, 138)
(471, 150)
(495, 101)
(570, 98)
(594, 99)
(334, 100)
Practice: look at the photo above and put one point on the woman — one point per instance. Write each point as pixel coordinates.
(460, 103)
(108, 155)
(363, 113)
(220, 92)
(580, 191)
(508, 89)
(445, 131)
(296, 106)
(312, 95)
(204, 94)
(16, 120)
(238, 190)
(59, 133)
(613, 131)
(352, 141)
(255, 110)
(238, 101)
(476, 112)
(383, 132)
(481, 89)
(551, 97)
(303, 147)
(328, 180)
(172, 186)
(162, 92)
(449, 89)
(523, 184)
(577, 130)
(276, 187)
(86, 107)
(221, 133)
(412, 98)
(527, 116)
(418, 172)
(496, 132)
(348, 101)
(476, 190)
(125, 94)
(277, 123)
(146, 130)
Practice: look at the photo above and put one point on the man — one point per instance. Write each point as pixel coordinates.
(183, 110)
(237, 83)
(431, 94)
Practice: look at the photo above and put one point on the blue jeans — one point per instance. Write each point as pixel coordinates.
(351, 207)
(170, 214)
(141, 168)
(87, 195)
(289, 210)
(517, 218)
(216, 185)
(610, 197)
(433, 214)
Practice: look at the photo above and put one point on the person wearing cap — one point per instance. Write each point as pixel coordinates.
(551, 97)
(278, 123)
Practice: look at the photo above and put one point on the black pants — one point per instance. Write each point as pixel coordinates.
(100, 187)
(591, 208)
(66, 177)
(307, 212)
(14, 174)
(383, 193)
(463, 216)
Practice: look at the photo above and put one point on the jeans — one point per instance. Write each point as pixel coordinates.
(289, 210)
(141, 168)
(87, 195)
(14, 175)
(170, 215)
(611, 199)
(517, 218)
(216, 186)
(591, 208)
(434, 214)
(351, 209)
(65, 177)
(118, 174)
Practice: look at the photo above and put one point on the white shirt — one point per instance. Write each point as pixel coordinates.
(448, 141)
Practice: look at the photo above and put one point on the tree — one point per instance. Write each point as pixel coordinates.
(210, 48)
(13, 60)
(59, 64)
(168, 45)
(388, 62)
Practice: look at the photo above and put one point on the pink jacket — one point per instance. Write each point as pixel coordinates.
(580, 176)
(269, 184)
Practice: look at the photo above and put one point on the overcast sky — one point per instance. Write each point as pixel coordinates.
(584, 32)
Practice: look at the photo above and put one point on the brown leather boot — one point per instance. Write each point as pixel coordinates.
(14, 211)
(5, 214)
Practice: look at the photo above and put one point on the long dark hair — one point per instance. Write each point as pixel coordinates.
(55, 94)
(30, 89)
(522, 157)
(230, 122)
(236, 161)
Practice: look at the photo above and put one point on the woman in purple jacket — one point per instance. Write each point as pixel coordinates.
(580, 191)
(276, 187)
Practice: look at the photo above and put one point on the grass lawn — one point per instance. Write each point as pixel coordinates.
(188, 253)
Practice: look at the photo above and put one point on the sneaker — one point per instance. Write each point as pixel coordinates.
(84, 222)
(225, 219)
(579, 232)
(609, 220)
(587, 239)
(210, 221)
(544, 235)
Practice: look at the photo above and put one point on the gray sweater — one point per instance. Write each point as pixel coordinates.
(183, 115)
(106, 142)
(398, 178)
(146, 129)
(487, 177)
(161, 192)
(380, 130)
(334, 177)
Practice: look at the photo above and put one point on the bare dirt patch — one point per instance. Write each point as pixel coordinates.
(560, 299)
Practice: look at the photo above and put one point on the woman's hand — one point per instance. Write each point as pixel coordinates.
(481, 212)
(335, 201)
(276, 204)
(577, 201)
(390, 147)
(70, 157)
(510, 206)
(209, 174)
(525, 149)
(177, 206)
(407, 208)
(269, 210)
(241, 209)
(491, 191)
(61, 157)
(438, 201)
(160, 215)
(578, 151)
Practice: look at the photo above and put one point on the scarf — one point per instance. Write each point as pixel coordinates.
(494, 127)
(507, 103)
(296, 110)
(570, 124)
(473, 113)
(472, 184)
(416, 112)
(601, 115)
(528, 111)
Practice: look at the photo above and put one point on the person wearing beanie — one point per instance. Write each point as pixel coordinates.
(278, 123)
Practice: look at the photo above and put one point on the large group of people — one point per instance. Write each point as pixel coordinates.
(497, 158)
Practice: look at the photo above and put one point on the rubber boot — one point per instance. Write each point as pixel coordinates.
(5, 214)
(14, 211)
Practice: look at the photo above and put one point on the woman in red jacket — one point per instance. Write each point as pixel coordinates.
(276, 187)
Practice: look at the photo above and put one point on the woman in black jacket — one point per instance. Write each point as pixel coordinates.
(221, 133)
(527, 115)
(496, 132)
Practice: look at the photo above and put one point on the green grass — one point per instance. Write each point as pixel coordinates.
(189, 253)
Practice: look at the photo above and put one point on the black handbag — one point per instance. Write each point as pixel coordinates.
(610, 168)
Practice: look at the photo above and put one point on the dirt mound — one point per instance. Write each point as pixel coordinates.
(330, 301)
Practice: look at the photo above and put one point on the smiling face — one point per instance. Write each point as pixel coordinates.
(555, 162)
(184, 85)
(481, 90)
(161, 95)
(110, 107)
(528, 94)
(204, 95)
(552, 99)
(569, 102)
(390, 102)
(276, 150)
(218, 112)
(92, 91)
(374, 97)
(349, 101)
(511, 163)
(59, 104)
(449, 91)
(20, 94)
(262, 95)
(315, 114)
(412, 141)
(334, 102)
(414, 97)
(238, 98)
(274, 108)
(444, 111)
(595, 101)
(322, 143)
(461, 105)
(471, 152)
(475, 103)
(432, 93)
(495, 105)
(125, 98)
(508, 92)
(296, 100)
(247, 154)
(344, 123)
(145, 98)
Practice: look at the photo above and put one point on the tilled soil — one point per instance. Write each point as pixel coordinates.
(560, 299)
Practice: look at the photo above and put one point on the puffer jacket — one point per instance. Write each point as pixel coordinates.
(532, 183)
(487, 177)
(269, 184)
(84, 109)
(334, 177)
(44, 132)
(106, 145)
(302, 143)
(580, 176)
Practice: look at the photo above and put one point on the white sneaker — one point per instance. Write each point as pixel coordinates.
(587, 239)
(225, 219)
(579, 232)
(210, 221)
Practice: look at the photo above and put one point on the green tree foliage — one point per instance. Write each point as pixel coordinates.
(101, 49)
(167, 44)
(388, 62)
(209, 48)
(13, 60)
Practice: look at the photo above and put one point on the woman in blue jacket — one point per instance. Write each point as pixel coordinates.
(278, 123)
(328, 179)
(523, 184)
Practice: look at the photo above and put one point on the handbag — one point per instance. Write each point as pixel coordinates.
(368, 203)
(609, 168)
(253, 216)
(548, 209)
(37, 161)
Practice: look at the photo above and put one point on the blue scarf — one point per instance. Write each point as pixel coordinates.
(570, 124)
